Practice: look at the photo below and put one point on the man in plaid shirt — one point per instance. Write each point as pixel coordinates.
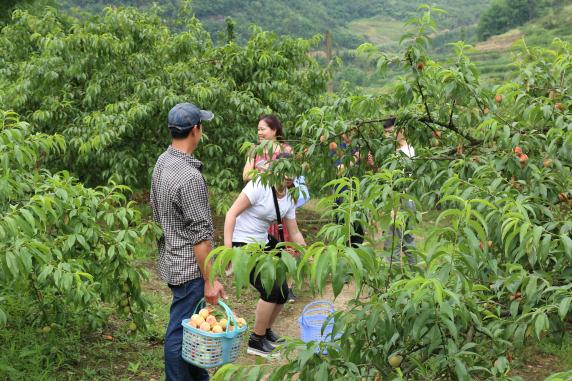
(179, 200)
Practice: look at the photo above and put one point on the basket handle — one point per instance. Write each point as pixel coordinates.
(311, 306)
(304, 317)
(229, 315)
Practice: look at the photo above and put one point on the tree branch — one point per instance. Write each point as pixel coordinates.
(450, 126)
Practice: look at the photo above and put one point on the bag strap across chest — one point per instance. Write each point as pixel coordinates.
(278, 218)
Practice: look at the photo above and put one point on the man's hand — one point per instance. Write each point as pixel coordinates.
(213, 292)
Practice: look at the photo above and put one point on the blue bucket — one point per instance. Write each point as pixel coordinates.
(312, 319)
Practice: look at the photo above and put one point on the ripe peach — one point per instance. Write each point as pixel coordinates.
(205, 327)
(193, 324)
(223, 323)
(485, 110)
(547, 163)
(523, 158)
(204, 313)
(498, 98)
(216, 329)
(559, 106)
(241, 322)
(518, 151)
(211, 319)
(420, 66)
(199, 320)
(333, 146)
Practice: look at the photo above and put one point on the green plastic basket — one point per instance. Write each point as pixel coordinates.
(208, 350)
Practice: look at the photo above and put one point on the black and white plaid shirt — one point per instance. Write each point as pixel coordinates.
(180, 204)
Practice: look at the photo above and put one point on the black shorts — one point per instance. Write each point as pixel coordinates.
(279, 292)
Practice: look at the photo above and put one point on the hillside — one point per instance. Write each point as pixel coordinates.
(494, 56)
(351, 23)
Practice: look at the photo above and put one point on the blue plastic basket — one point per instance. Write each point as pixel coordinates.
(312, 319)
(208, 350)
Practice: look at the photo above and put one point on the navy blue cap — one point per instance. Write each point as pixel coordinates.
(186, 115)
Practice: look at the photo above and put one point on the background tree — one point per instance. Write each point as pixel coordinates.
(107, 83)
(8, 6)
(66, 249)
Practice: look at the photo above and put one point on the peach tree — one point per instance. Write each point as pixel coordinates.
(491, 180)
(107, 82)
(67, 250)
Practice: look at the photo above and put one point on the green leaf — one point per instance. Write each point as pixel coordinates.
(322, 372)
(12, 263)
(540, 324)
(253, 374)
(564, 307)
(567, 244)
(3, 318)
(339, 277)
(267, 273)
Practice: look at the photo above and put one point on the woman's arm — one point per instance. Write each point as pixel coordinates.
(240, 205)
(295, 234)
(248, 167)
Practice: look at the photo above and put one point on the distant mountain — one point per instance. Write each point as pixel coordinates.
(351, 22)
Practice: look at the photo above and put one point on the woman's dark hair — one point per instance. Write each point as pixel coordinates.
(274, 123)
(390, 122)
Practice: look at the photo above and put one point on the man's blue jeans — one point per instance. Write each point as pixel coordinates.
(185, 298)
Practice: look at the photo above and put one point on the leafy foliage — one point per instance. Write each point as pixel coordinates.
(107, 83)
(66, 249)
(8, 6)
(495, 266)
